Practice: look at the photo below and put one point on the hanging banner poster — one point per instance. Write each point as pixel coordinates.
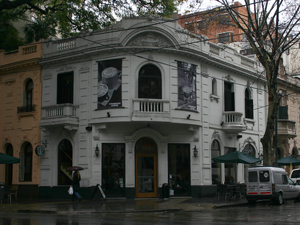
(109, 83)
(187, 86)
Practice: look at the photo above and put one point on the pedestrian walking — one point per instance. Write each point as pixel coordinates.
(76, 185)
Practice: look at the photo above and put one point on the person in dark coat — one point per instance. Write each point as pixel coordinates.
(76, 185)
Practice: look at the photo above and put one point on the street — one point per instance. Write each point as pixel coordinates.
(261, 213)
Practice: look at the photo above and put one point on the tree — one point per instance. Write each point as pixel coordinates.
(271, 28)
(68, 17)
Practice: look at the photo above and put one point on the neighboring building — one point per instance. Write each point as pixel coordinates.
(216, 24)
(288, 115)
(20, 112)
(138, 107)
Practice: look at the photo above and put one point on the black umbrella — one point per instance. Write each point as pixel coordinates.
(74, 168)
(7, 159)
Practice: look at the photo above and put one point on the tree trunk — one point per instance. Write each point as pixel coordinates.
(273, 101)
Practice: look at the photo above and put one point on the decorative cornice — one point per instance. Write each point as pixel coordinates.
(18, 65)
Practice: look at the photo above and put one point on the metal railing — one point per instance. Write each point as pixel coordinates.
(27, 108)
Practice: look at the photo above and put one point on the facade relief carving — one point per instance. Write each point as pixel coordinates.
(150, 39)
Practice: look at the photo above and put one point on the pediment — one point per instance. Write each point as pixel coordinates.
(150, 39)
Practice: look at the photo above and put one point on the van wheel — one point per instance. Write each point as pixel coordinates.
(279, 199)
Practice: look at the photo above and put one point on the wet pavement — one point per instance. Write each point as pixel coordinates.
(116, 205)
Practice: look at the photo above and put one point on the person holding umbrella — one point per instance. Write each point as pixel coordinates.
(76, 185)
(76, 181)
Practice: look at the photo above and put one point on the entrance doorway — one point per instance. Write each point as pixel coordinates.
(146, 168)
(9, 167)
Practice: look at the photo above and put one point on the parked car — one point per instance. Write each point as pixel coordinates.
(270, 183)
(295, 175)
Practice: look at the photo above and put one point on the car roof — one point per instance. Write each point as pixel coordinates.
(267, 168)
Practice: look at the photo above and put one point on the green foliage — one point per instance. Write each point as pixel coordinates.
(69, 17)
(10, 39)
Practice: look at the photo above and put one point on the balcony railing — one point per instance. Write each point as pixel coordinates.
(286, 129)
(58, 111)
(27, 108)
(66, 45)
(60, 115)
(151, 108)
(233, 123)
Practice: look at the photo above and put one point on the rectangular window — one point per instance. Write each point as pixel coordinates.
(224, 18)
(284, 179)
(229, 96)
(264, 176)
(201, 25)
(249, 108)
(225, 37)
(179, 169)
(190, 27)
(65, 87)
(253, 176)
(113, 169)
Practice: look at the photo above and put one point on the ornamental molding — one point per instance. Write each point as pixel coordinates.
(150, 39)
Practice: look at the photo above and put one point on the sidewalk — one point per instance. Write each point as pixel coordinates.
(115, 206)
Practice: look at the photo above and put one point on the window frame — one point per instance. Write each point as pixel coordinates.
(146, 79)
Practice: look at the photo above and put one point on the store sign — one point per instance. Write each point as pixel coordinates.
(40, 150)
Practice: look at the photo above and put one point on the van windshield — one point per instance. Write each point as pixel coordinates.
(295, 174)
(264, 176)
(253, 176)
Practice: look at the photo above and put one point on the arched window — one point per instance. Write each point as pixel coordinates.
(28, 95)
(248, 104)
(248, 150)
(149, 84)
(65, 156)
(215, 167)
(214, 87)
(26, 162)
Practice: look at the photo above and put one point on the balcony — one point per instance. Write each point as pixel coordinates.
(60, 116)
(25, 109)
(286, 129)
(233, 123)
(151, 110)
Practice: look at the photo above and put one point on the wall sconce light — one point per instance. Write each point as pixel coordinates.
(261, 156)
(222, 123)
(108, 114)
(195, 151)
(44, 142)
(189, 116)
(88, 128)
(97, 151)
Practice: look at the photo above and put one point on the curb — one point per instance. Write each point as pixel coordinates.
(97, 212)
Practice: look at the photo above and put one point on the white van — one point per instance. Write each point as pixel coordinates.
(270, 183)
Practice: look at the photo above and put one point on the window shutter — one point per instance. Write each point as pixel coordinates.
(283, 112)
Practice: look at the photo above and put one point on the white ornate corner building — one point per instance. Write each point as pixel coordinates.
(144, 106)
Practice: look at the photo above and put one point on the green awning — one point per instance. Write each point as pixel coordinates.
(288, 160)
(236, 157)
(7, 159)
